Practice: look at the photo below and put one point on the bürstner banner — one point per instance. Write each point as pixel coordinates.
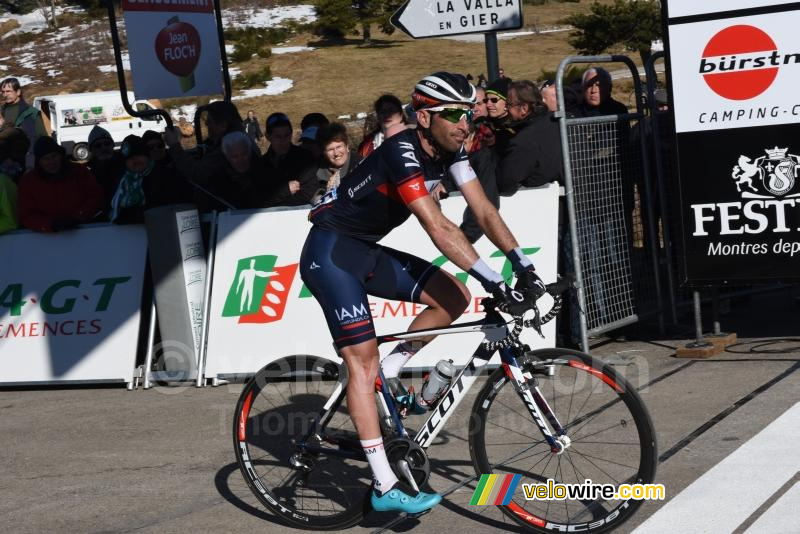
(173, 47)
(735, 67)
(69, 304)
(261, 310)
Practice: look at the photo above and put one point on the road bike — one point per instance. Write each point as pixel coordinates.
(547, 414)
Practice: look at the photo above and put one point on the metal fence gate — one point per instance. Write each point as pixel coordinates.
(614, 239)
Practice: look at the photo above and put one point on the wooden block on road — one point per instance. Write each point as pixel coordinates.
(723, 340)
(693, 350)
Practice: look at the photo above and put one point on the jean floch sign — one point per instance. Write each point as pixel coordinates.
(174, 47)
(734, 68)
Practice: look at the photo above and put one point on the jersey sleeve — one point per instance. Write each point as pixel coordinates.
(460, 170)
(405, 171)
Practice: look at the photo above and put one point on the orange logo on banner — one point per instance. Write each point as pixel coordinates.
(732, 76)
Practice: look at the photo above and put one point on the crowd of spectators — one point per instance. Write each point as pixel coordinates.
(245, 164)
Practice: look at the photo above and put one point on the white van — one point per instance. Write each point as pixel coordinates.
(70, 118)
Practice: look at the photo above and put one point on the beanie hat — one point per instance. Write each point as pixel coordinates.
(98, 133)
(150, 135)
(133, 145)
(44, 146)
(14, 144)
(499, 87)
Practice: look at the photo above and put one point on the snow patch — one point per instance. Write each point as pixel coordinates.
(275, 86)
(291, 49)
(268, 17)
(233, 72)
(187, 112)
(52, 73)
(361, 115)
(25, 80)
(126, 64)
(34, 22)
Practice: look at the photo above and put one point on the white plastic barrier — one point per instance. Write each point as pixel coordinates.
(70, 304)
(256, 319)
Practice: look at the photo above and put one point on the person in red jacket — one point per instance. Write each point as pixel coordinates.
(57, 194)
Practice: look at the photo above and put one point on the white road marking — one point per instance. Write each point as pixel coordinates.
(781, 518)
(728, 493)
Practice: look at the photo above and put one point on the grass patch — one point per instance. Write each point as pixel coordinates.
(8, 25)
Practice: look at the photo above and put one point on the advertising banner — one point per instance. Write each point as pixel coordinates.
(261, 311)
(69, 304)
(193, 255)
(173, 47)
(737, 117)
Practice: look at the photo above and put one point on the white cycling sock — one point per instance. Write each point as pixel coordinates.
(396, 360)
(379, 463)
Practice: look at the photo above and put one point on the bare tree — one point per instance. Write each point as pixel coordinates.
(48, 10)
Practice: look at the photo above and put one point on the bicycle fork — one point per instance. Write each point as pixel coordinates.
(525, 385)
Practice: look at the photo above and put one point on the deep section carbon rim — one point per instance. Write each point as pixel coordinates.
(611, 442)
(305, 487)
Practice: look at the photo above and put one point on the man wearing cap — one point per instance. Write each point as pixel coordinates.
(105, 163)
(289, 178)
(57, 194)
(143, 184)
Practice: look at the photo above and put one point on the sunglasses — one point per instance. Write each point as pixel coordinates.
(454, 115)
(493, 100)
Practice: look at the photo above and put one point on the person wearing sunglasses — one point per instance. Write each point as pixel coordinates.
(532, 157)
(342, 261)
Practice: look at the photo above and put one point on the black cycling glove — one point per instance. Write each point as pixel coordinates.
(529, 282)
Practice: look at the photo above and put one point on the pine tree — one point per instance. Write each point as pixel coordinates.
(632, 23)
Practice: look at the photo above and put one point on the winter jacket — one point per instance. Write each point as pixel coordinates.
(8, 204)
(532, 157)
(73, 197)
(297, 164)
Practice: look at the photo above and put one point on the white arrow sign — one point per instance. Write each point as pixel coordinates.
(435, 18)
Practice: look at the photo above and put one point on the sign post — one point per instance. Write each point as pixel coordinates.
(733, 70)
(437, 18)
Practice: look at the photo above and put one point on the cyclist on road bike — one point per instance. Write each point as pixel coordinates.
(342, 262)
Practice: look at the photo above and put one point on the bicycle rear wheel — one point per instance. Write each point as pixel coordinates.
(612, 441)
(318, 483)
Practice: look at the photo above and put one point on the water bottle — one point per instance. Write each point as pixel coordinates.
(437, 382)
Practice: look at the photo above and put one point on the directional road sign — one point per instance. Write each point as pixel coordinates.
(435, 18)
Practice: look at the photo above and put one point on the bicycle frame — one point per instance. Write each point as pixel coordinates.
(494, 325)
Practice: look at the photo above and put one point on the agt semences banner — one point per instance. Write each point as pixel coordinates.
(262, 311)
(735, 67)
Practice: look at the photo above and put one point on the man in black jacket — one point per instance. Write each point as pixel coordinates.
(289, 170)
(532, 157)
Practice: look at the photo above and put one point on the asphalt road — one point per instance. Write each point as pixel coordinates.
(161, 460)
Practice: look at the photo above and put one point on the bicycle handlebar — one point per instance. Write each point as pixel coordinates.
(512, 339)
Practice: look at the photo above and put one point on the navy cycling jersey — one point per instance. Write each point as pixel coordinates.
(373, 198)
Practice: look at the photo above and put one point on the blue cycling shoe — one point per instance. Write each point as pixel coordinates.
(402, 498)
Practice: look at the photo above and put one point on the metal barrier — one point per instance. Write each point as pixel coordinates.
(609, 203)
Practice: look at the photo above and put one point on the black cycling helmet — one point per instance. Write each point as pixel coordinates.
(441, 89)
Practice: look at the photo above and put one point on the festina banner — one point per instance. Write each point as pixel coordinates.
(261, 310)
(69, 304)
(174, 48)
(734, 68)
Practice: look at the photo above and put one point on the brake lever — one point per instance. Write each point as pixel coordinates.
(537, 321)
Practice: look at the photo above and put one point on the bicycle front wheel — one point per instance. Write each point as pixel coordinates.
(611, 440)
(310, 473)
